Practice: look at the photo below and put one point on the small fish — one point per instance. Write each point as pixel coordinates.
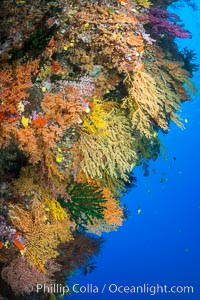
(139, 211)
(89, 268)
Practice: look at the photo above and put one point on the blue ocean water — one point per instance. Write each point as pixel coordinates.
(160, 243)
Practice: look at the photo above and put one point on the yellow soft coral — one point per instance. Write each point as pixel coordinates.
(42, 235)
(56, 210)
(144, 3)
(95, 123)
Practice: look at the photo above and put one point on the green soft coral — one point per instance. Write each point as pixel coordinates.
(86, 203)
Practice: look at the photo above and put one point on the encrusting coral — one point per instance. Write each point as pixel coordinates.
(85, 88)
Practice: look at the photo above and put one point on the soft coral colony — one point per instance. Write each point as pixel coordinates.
(85, 86)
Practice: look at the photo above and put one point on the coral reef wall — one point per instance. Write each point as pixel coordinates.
(85, 87)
